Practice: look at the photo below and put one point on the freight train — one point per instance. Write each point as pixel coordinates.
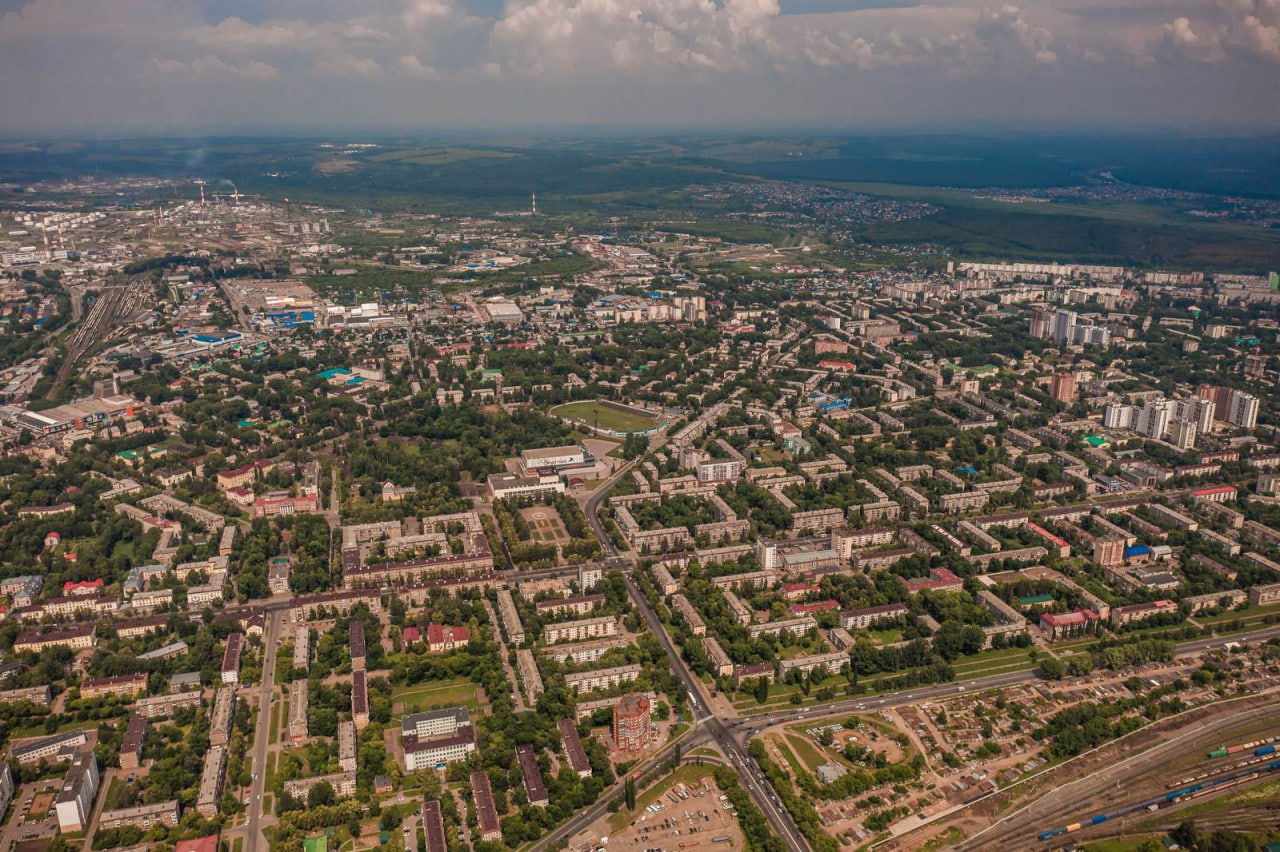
(1182, 794)
(1259, 756)
(1223, 751)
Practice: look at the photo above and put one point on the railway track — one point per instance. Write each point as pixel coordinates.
(113, 303)
(1125, 779)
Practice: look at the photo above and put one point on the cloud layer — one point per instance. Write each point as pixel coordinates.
(153, 63)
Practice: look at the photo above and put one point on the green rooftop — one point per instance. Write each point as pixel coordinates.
(1095, 441)
(1035, 600)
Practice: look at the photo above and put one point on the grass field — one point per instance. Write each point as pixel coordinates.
(436, 694)
(609, 418)
(1253, 613)
(274, 733)
(111, 802)
(806, 752)
(992, 662)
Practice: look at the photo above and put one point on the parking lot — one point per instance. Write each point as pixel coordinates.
(33, 816)
(692, 818)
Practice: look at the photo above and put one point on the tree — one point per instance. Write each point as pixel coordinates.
(629, 793)
(320, 795)
(762, 690)
(1051, 668)
(1186, 835)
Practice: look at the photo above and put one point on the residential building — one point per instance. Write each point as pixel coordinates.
(487, 825)
(360, 700)
(587, 628)
(212, 775)
(124, 686)
(298, 710)
(631, 723)
(231, 658)
(74, 802)
(142, 817)
(573, 750)
(347, 746)
(589, 681)
(135, 733)
(532, 775)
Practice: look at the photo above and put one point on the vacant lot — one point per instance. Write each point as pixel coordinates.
(606, 415)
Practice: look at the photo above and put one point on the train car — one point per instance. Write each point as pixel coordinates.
(1226, 784)
(1192, 791)
(1265, 750)
(1178, 794)
(1218, 752)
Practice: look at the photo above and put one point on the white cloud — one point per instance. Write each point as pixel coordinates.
(1232, 29)
(213, 67)
(590, 58)
(121, 20)
(680, 36)
(411, 66)
(632, 36)
(238, 35)
(346, 65)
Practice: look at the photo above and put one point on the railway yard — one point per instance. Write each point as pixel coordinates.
(1154, 766)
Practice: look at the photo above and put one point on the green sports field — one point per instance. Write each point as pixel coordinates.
(606, 416)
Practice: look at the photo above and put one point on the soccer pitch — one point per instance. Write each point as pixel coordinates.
(620, 420)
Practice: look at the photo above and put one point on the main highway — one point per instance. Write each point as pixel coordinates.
(262, 735)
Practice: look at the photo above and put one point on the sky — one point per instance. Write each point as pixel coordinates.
(200, 66)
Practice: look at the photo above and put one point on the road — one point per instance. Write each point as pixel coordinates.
(706, 724)
(262, 733)
(734, 737)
